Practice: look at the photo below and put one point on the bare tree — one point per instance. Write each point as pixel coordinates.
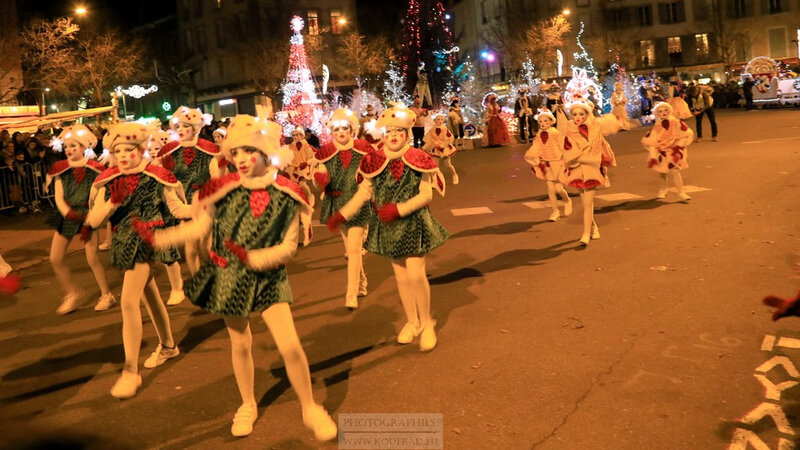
(538, 42)
(104, 61)
(48, 51)
(608, 45)
(729, 34)
(269, 62)
(11, 81)
(357, 58)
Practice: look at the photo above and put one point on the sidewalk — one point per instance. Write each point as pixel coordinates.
(25, 239)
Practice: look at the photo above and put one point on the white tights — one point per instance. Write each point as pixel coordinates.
(413, 287)
(554, 187)
(58, 249)
(133, 288)
(587, 199)
(353, 241)
(677, 180)
(174, 275)
(447, 162)
(278, 318)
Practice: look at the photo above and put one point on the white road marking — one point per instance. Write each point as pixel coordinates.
(471, 211)
(618, 196)
(542, 204)
(689, 188)
(772, 140)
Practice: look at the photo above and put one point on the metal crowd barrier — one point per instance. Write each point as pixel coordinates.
(23, 184)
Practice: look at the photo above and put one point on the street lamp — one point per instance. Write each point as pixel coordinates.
(565, 11)
(81, 10)
(342, 21)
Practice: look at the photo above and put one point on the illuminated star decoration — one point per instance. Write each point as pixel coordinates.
(786, 307)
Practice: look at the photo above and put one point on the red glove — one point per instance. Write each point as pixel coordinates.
(543, 166)
(335, 221)
(75, 216)
(119, 190)
(303, 165)
(651, 163)
(86, 233)
(786, 307)
(237, 250)
(9, 285)
(144, 231)
(322, 179)
(388, 212)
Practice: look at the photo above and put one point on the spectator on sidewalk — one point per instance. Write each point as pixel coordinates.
(701, 103)
(747, 87)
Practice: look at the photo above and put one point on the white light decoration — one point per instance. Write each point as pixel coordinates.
(166, 106)
(137, 91)
(326, 75)
(560, 60)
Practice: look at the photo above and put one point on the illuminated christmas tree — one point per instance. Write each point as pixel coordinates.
(428, 40)
(301, 106)
(394, 86)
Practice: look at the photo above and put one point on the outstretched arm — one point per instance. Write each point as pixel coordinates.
(101, 209)
(419, 201)
(193, 230)
(362, 195)
(176, 205)
(270, 258)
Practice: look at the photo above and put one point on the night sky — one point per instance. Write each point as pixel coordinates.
(114, 13)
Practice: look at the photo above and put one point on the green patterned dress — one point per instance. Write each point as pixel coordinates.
(342, 167)
(190, 166)
(414, 235)
(223, 285)
(77, 183)
(144, 200)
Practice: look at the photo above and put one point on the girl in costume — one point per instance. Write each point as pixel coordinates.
(9, 282)
(194, 161)
(546, 155)
(252, 218)
(157, 140)
(130, 196)
(335, 175)
(588, 159)
(399, 180)
(495, 127)
(667, 145)
(455, 121)
(439, 144)
(73, 183)
(299, 170)
(619, 104)
(555, 103)
(680, 109)
(219, 135)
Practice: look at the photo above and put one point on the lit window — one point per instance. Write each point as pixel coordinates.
(674, 45)
(313, 23)
(648, 52)
(336, 21)
(701, 44)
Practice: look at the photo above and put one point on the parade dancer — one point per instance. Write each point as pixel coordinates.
(252, 218)
(496, 130)
(667, 144)
(130, 196)
(157, 140)
(192, 160)
(399, 180)
(73, 179)
(546, 155)
(335, 175)
(455, 121)
(588, 159)
(439, 144)
(680, 109)
(299, 171)
(619, 102)
(555, 103)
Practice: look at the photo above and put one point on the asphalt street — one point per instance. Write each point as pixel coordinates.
(653, 336)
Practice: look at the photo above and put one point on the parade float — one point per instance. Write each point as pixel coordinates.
(773, 86)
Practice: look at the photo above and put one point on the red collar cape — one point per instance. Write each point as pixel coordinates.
(329, 150)
(62, 166)
(217, 188)
(374, 162)
(203, 145)
(160, 174)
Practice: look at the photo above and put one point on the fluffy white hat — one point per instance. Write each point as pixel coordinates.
(341, 117)
(78, 132)
(584, 105)
(184, 114)
(545, 113)
(397, 116)
(158, 139)
(126, 133)
(220, 131)
(259, 133)
(660, 105)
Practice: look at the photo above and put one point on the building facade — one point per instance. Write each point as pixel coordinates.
(11, 80)
(236, 50)
(693, 38)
